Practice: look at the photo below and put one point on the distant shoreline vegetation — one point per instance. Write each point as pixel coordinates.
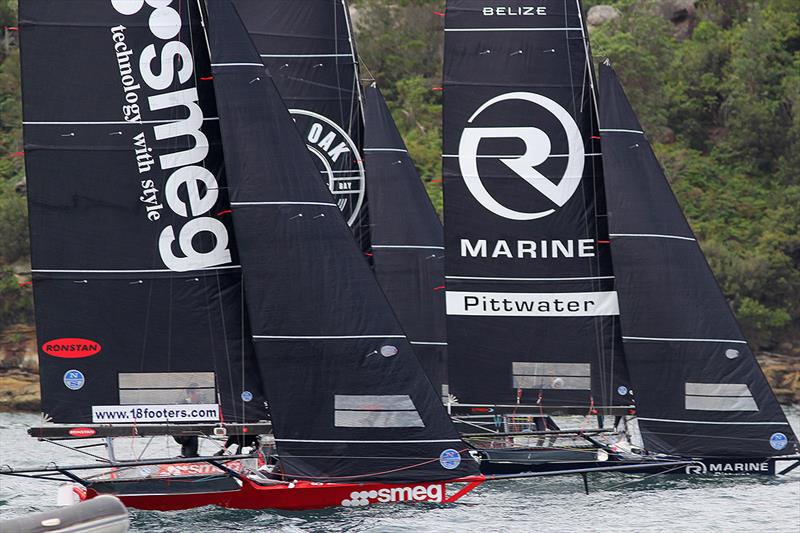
(716, 84)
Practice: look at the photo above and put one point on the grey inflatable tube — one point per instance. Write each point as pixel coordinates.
(104, 514)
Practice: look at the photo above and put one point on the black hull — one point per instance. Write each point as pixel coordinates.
(172, 485)
(508, 461)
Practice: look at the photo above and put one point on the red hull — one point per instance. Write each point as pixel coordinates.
(305, 495)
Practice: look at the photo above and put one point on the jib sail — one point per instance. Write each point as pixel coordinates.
(347, 395)
(135, 276)
(308, 47)
(532, 311)
(699, 389)
(407, 238)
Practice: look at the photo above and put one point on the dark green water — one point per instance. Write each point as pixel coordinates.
(617, 503)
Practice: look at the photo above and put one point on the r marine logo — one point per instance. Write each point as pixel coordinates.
(337, 159)
(538, 147)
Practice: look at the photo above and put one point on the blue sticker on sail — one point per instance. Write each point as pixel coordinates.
(74, 380)
(622, 390)
(778, 441)
(247, 395)
(450, 459)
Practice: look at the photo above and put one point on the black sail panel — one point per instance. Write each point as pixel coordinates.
(699, 389)
(407, 238)
(308, 47)
(135, 276)
(532, 312)
(347, 396)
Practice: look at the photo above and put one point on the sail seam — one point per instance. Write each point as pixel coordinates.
(279, 337)
(105, 122)
(237, 64)
(307, 55)
(669, 339)
(587, 278)
(432, 343)
(130, 271)
(283, 203)
(368, 441)
(427, 247)
(513, 29)
(710, 422)
(654, 235)
(617, 130)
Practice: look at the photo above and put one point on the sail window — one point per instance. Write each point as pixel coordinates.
(719, 397)
(141, 388)
(571, 376)
(371, 411)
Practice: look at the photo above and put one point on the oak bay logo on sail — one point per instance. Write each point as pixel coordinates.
(538, 146)
(337, 158)
(189, 177)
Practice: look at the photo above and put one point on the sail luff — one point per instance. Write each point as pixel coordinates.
(699, 389)
(407, 238)
(348, 399)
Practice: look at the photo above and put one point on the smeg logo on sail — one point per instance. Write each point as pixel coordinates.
(337, 158)
(191, 190)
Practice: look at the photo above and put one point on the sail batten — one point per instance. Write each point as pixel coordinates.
(341, 376)
(699, 389)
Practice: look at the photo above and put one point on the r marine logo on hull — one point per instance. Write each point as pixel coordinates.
(337, 158)
(537, 143)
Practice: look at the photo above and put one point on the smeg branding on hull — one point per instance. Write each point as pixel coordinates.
(160, 63)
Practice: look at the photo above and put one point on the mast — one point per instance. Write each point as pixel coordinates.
(407, 239)
(348, 398)
(308, 47)
(532, 311)
(135, 273)
(699, 389)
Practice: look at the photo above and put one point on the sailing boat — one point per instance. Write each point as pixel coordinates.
(355, 419)
(700, 392)
(407, 239)
(532, 314)
(308, 48)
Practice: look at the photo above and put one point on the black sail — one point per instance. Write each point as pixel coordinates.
(347, 396)
(407, 238)
(308, 47)
(532, 312)
(699, 389)
(136, 281)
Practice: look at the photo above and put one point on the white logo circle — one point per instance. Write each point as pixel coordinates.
(537, 151)
(337, 158)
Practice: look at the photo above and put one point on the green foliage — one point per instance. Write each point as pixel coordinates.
(16, 303)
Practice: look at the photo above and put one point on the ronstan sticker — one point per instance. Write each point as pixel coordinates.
(71, 348)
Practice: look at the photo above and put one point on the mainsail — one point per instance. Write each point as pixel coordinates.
(532, 312)
(699, 389)
(308, 47)
(348, 398)
(137, 285)
(407, 238)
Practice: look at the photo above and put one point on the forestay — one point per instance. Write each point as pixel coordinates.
(699, 389)
(407, 238)
(348, 399)
(135, 273)
(308, 47)
(532, 311)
